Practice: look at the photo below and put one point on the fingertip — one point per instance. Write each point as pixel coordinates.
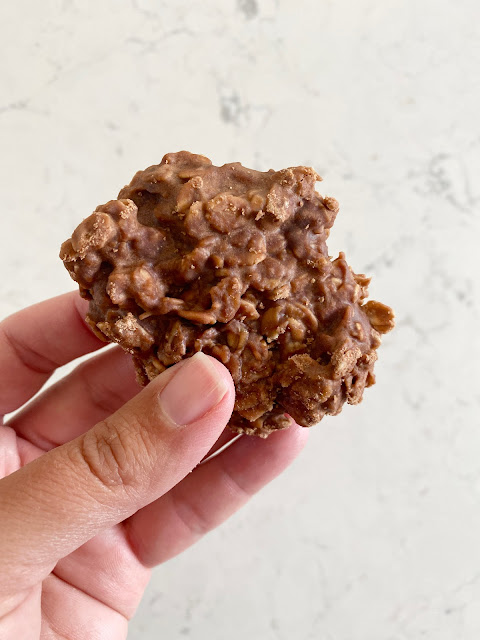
(220, 369)
(79, 314)
(285, 445)
(260, 460)
(298, 434)
(197, 393)
(80, 303)
(226, 378)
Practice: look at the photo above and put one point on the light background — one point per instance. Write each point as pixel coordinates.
(374, 533)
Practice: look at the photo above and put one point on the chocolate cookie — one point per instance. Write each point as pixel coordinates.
(232, 262)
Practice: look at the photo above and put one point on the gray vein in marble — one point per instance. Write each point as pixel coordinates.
(249, 8)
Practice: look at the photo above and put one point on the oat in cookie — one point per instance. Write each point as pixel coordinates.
(232, 262)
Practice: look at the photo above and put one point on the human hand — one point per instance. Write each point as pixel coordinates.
(85, 512)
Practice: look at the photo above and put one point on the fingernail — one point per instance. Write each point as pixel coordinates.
(193, 391)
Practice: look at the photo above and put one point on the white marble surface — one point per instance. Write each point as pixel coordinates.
(374, 534)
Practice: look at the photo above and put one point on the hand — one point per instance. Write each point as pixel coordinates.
(85, 512)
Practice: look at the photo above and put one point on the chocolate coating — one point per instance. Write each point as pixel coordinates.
(232, 262)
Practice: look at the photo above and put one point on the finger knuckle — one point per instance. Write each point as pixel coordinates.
(116, 454)
(194, 519)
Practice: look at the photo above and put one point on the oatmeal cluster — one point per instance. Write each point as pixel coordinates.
(232, 262)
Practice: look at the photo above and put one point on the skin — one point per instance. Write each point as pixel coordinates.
(100, 481)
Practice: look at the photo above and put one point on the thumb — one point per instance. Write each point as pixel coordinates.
(59, 501)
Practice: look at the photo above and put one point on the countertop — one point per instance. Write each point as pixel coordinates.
(373, 533)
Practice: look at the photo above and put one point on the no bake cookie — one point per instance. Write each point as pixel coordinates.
(232, 262)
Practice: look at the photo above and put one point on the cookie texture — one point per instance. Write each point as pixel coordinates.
(232, 262)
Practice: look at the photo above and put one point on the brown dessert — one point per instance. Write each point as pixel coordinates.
(232, 262)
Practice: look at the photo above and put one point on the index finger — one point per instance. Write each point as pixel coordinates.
(36, 341)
